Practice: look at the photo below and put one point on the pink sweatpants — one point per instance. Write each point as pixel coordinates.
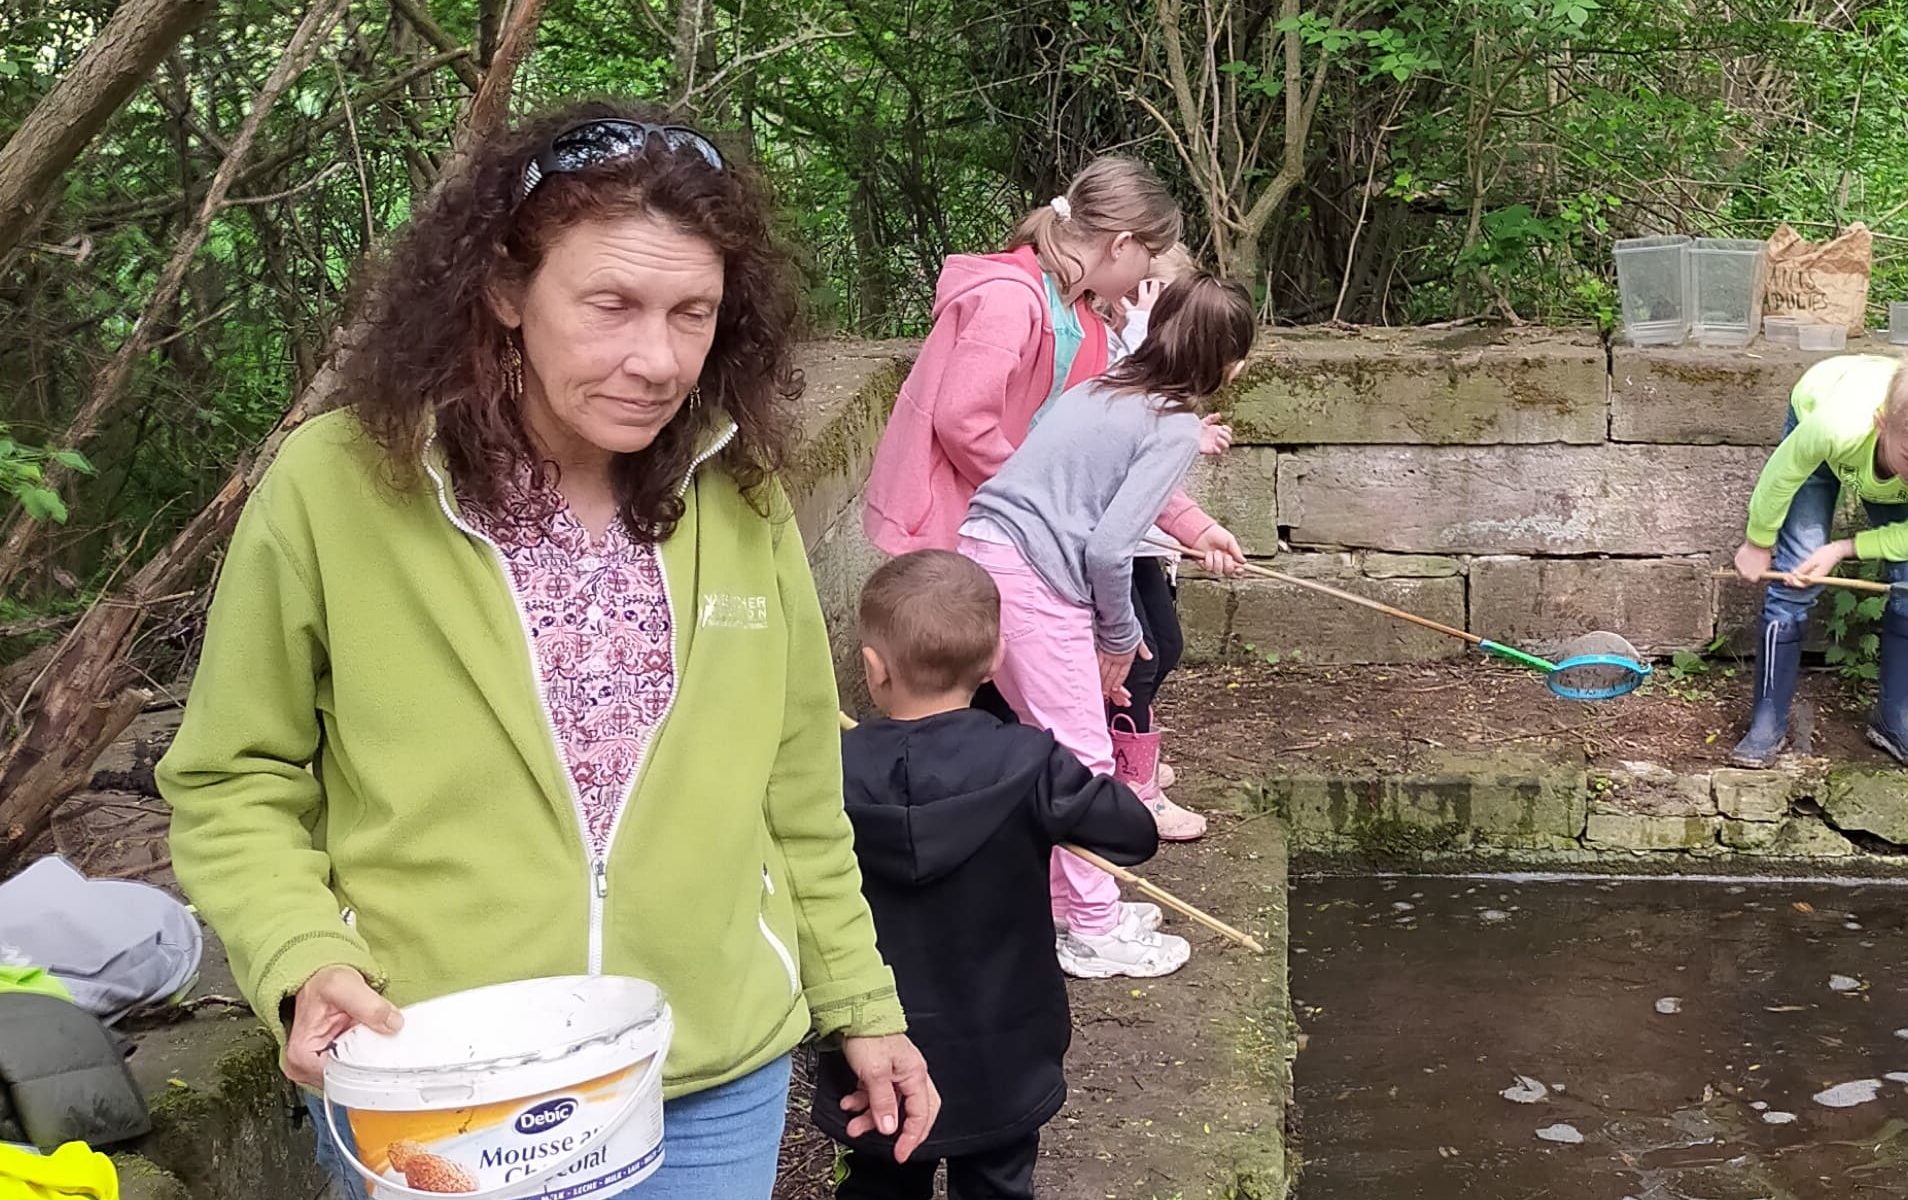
(1050, 673)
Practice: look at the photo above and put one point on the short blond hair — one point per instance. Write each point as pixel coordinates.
(1894, 413)
(1173, 264)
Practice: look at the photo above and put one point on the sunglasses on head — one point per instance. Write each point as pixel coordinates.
(593, 143)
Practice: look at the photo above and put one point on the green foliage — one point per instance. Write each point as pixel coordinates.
(1854, 628)
(1270, 658)
(23, 476)
(1691, 674)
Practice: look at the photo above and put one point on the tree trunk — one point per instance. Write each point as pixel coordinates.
(490, 14)
(138, 36)
(687, 51)
(86, 701)
(111, 382)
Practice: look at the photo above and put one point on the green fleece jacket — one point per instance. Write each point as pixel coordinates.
(1835, 403)
(367, 775)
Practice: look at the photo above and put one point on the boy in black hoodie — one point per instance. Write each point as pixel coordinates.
(956, 816)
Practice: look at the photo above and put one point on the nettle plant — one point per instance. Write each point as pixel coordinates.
(1853, 627)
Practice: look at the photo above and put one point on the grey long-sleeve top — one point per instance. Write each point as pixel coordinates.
(1081, 492)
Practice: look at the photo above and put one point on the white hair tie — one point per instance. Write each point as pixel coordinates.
(1061, 208)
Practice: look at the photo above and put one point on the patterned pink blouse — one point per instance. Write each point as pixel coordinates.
(599, 627)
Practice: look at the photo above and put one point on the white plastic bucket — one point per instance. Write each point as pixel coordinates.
(542, 1088)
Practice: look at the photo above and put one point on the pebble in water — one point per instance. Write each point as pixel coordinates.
(1566, 1134)
(1494, 914)
(1844, 983)
(1525, 1091)
(1669, 1006)
(1402, 906)
(1902, 1034)
(1900, 1077)
(1848, 1095)
(1759, 1105)
(1778, 1118)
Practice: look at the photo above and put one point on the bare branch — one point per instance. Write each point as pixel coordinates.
(111, 216)
(419, 18)
(713, 84)
(491, 105)
(357, 155)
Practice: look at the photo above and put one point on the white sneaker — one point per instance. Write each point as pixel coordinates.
(1133, 914)
(1131, 952)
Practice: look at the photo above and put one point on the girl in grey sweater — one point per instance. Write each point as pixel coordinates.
(1057, 527)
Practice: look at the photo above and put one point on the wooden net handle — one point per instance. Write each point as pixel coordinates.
(1252, 568)
(1855, 585)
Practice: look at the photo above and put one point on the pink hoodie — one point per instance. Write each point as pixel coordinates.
(985, 369)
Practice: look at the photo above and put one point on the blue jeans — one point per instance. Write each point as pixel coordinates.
(1806, 530)
(724, 1142)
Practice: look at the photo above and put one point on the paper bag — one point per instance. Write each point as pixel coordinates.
(1821, 281)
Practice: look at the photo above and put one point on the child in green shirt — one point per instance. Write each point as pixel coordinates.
(1847, 428)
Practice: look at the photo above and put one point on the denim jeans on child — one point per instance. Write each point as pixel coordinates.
(1806, 530)
(723, 1142)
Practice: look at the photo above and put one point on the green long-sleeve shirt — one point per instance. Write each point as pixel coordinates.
(1835, 404)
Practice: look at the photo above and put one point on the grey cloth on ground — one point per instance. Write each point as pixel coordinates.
(64, 1076)
(118, 946)
(1079, 495)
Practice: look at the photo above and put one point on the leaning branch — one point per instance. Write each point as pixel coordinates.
(134, 41)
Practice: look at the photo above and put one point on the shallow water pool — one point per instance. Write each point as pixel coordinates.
(1509, 1038)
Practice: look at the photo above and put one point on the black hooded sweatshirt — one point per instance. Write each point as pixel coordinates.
(956, 817)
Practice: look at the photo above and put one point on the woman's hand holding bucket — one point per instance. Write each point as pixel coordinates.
(896, 1096)
(330, 1003)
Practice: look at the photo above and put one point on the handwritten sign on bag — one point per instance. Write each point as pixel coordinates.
(1822, 281)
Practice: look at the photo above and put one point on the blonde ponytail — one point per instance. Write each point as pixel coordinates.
(1111, 195)
(1041, 229)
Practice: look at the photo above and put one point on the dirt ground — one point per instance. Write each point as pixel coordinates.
(1176, 1083)
(1234, 722)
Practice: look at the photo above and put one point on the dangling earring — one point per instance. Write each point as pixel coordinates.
(513, 369)
(695, 397)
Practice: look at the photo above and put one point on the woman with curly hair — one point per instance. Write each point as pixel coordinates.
(515, 667)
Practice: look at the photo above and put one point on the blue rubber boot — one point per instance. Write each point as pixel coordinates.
(1778, 664)
(1888, 727)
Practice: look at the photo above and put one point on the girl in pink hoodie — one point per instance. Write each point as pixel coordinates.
(1011, 332)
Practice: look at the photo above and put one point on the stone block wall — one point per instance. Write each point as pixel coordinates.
(1526, 485)
(851, 386)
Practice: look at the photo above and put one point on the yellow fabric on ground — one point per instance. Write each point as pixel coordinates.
(73, 1172)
